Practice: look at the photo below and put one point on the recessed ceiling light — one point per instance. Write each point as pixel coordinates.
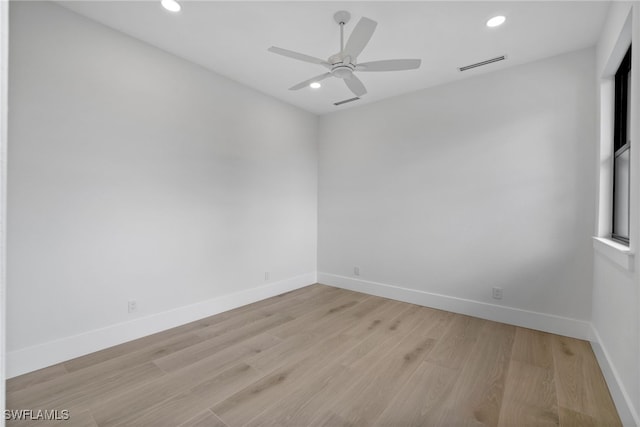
(496, 21)
(315, 85)
(171, 5)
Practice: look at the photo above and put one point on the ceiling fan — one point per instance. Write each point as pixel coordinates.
(344, 63)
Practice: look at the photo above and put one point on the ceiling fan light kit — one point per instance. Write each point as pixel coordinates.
(496, 21)
(171, 5)
(344, 65)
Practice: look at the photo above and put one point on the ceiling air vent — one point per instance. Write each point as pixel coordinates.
(480, 64)
(346, 100)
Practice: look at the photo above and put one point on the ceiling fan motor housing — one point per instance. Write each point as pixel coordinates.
(342, 71)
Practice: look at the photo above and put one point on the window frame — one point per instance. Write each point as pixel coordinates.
(621, 141)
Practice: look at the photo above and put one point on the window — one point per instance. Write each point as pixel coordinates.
(621, 156)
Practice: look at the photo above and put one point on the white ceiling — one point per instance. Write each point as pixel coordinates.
(231, 38)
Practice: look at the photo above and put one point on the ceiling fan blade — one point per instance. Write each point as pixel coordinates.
(360, 36)
(355, 85)
(390, 65)
(298, 56)
(311, 80)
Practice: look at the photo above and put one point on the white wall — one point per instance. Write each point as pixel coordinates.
(450, 191)
(616, 303)
(137, 175)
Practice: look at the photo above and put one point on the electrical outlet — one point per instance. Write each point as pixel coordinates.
(133, 306)
(267, 276)
(497, 293)
(356, 271)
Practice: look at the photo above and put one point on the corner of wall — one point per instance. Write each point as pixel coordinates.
(528, 319)
(621, 398)
(616, 338)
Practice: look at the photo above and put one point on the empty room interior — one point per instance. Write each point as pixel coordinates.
(320, 213)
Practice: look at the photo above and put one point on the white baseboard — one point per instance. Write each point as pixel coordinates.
(528, 319)
(40, 356)
(624, 405)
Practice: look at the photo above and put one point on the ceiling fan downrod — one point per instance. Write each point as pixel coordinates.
(342, 17)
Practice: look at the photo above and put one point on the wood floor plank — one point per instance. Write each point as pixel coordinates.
(568, 369)
(315, 335)
(580, 384)
(171, 412)
(302, 307)
(327, 356)
(204, 419)
(375, 343)
(152, 352)
(126, 406)
(529, 397)
(476, 397)
(569, 418)
(221, 328)
(298, 297)
(286, 351)
(371, 394)
(75, 383)
(457, 341)
(76, 419)
(417, 404)
(240, 408)
(144, 344)
(68, 391)
(533, 347)
(329, 380)
(226, 383)
(598, 397)
(301, 296)
(282, 307)
(243, 406)
(391, 318)
(37, 377)
(318, 315)
(206, 348)
(378, 333)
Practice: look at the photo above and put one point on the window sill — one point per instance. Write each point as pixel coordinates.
(615, 252)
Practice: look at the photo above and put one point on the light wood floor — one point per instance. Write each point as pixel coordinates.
(321, 356)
